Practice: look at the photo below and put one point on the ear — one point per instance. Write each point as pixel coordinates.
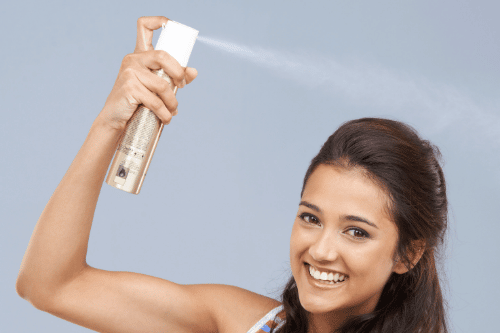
(414, 254)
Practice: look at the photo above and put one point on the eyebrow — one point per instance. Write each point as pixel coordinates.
(343, 217)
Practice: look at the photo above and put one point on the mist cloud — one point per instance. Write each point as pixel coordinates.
(439, 106)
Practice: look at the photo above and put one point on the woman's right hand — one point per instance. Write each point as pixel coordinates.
(54, 274)
(136, 84)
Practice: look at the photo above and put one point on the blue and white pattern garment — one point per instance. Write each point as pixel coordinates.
(271, 319)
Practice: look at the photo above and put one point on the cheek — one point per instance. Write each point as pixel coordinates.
(294, 243)
(300, 241)
(373, 263)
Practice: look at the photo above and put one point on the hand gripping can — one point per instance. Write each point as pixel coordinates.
(138, 142)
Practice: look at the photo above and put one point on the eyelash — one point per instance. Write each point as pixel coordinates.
(365, 235)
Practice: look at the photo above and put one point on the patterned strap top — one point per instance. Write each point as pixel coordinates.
(270, 320)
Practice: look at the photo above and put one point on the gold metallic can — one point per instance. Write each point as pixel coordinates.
(140, 138)
(136, 148)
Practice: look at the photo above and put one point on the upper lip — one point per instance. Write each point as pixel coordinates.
(326, 270)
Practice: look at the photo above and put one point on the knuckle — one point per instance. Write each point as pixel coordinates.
(167, 60)
(164, 86)
(163, 55)
(128, 74)
(157, 104)
(178, 73)
(128, 71)
(165, 116)
(128, 61)
(140, 20)
(175, 104)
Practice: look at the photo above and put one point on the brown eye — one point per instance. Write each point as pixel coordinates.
(358, 233)
(309, 218)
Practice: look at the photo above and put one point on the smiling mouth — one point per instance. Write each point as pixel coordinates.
(324, 277)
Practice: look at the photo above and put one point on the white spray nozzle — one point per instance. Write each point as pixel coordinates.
(177, 40)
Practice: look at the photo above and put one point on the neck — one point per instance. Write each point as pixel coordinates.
(326, 322)
(329, 322)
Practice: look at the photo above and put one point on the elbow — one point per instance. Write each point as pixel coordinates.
(21, 287)
(27, 291)
(24, 281)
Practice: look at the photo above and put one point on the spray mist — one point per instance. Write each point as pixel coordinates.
(138, 142)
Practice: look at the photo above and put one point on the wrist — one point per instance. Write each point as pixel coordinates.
(103, 124)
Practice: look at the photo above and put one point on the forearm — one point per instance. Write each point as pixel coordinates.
(58, 246)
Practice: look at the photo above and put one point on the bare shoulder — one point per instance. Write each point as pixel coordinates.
(235, 309)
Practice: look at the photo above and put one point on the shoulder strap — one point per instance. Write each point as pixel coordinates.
(269, 320)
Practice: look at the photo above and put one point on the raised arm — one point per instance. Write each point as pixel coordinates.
(54, 275)
(58, 246)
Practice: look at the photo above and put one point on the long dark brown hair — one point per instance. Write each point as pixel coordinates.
(408, 169)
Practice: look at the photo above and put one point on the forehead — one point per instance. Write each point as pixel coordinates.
(346, 191)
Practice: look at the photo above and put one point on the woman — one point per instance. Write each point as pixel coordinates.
(372, 212)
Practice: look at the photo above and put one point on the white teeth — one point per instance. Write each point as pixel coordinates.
(332, 278)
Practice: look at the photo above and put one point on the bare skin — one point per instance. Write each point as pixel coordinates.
(54, 274)
(328, 234)
(342, 227)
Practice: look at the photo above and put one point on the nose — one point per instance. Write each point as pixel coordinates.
(325, 247)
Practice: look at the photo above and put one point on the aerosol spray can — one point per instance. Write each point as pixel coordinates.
(138, 142)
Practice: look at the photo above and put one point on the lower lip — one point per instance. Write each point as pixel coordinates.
(319, 284)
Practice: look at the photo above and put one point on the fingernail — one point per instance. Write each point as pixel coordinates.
(175, 112)
(183, 83)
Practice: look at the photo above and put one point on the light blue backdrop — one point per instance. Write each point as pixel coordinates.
(222, 191)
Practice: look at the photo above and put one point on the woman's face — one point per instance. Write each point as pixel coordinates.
(342, 227)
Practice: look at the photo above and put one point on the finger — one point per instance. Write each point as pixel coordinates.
(145, 27)
(158, 86)
(153, 102)
(190, 74)
(156, 59)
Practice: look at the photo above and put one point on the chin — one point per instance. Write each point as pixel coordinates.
(317, 304)
(315, 307)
